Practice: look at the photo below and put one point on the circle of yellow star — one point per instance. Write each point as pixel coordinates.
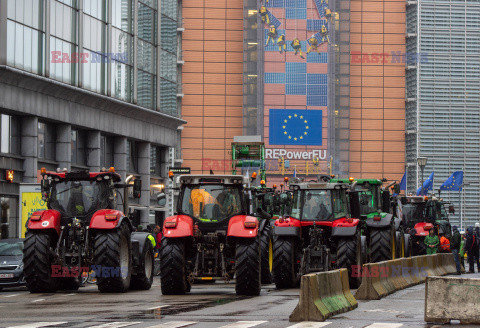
(295, 138)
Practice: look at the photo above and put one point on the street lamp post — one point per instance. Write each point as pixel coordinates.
(422, 162)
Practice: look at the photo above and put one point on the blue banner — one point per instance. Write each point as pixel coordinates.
(427, 186)
(454, 182)
(403, 183)
(295, 127)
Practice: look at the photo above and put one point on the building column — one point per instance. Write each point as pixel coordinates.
(93, 149)
(144, 171)
(120, 164)
(29, 149)
(63, 150)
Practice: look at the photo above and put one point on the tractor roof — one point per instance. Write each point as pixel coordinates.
(360, 181)
(211, 179)
(81, 175)
(318, 185)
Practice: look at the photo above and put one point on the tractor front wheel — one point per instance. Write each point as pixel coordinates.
(349, 253)
(284, 273)
(172, 267)
(266, 251)
(380, 245)
(143, 278)
(38, 259)
(112, 254)
(247, 267)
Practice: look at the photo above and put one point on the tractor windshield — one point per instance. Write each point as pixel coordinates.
(319, 205)
(413, 213)
(211, 203)
(368, 195)
(79, 198)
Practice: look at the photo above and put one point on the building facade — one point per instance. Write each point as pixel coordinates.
(86, 84)
(356, 80)
(443, 98)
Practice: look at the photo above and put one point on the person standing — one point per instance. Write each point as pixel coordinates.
(455, 247)
(157, 231)
(477, 248)
(431, 242)
(470, 245)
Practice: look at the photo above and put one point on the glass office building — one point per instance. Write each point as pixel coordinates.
(86, 84)
(443, 97)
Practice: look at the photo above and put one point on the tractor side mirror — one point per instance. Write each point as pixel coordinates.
(354, 205)
(385, 201)
(396, 188)
(137, 188)
(451, 209)
(44, 186)
(161, 199)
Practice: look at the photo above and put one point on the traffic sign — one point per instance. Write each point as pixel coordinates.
(180, 170)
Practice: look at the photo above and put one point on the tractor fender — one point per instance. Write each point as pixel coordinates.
(384, 222)
(287, 227)
(397, 222)
(49, 219)
(99, 221)
(262, 224)
(343, 228)
(236, 227)
(407, 244)
(182, 226)
(139, 239)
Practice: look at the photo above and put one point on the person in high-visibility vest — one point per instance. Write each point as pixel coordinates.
(444, 244)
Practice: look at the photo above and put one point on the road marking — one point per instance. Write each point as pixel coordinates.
(174, 324)
(158, 307)
(12, 295)
(39, 324)
(310, 324)
(243, 324)
(72, 294)
(39, 300)
(384, 325)
(116, 324)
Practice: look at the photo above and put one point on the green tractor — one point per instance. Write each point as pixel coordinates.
(384, 233)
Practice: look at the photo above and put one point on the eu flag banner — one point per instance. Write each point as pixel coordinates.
(295, 127)
(427, 186)
(454, 182)
(403, 183)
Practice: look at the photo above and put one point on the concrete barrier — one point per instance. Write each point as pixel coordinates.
(452, 299)
(323, 295)
(383, 278)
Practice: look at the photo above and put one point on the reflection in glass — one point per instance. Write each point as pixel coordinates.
(169, 35)
(147, 23)
(147, 89)
(94, 34)
(122, 81)
(168, 97)
(63, 21)
(94, 72)
(146, 57)
(168, 69)
(60, 68)
(169, 8)
(122, 14)
(96, 8)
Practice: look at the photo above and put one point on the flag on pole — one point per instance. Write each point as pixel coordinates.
(454, 182)
(403, 183)
(427, 186)
(295, 172)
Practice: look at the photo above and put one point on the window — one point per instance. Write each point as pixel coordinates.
(95, 71)
(79, 150)
(106, 151)
(157, 155)
(46, 141)
(132, 156)
(122, 17)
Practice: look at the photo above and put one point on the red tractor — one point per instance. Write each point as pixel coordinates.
(211, 236)
(82, 231)
(320, 232)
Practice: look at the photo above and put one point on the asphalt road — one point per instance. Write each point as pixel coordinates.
(208, 305)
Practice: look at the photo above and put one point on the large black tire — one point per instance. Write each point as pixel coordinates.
(349, 253)
(265, 248)
(172, 266)
(37, 260)
(143, 277)
(113, 250)
(380, 245)
(247, 267)
(284, 273)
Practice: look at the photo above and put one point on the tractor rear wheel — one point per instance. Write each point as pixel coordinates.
(247, 267)
(38, 259)
(266, 249)
(284, 273)
(112, 253)
(349, 253)
(143, 278)
(380, 245)
(172, 267)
